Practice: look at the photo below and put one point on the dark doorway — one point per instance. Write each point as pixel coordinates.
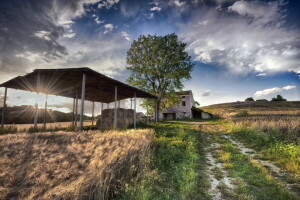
(169, 116)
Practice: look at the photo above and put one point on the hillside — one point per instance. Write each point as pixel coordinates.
(25, 115)
(270, 107)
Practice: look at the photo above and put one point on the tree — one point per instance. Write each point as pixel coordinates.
(249, 99)
(278, 98)
(197, 103)
(159, 65)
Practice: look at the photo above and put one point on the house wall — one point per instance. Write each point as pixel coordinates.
(180, 110)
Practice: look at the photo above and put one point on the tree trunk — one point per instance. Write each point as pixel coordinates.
(158, 108)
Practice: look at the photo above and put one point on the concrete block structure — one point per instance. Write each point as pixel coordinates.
(182, 110)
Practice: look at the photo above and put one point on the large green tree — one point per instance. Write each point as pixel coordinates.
(159, 65)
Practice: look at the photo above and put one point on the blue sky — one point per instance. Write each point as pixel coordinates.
(240, 48)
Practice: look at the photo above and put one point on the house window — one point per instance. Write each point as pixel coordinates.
(183, 103)
(183, 97)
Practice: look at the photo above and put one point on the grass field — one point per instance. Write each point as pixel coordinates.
(70, 165)
(251, 154)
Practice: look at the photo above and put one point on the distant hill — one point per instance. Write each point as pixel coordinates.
(253, 107)
(25, 115)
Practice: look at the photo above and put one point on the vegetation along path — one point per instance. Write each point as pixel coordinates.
(202, 160)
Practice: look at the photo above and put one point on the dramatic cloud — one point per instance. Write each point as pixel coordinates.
(273, 90)
(206, 93)
(265, 12)
(35, 27)
(261, 44)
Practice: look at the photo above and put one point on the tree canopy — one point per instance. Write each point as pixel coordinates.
(159, 65)
(249, 99)
(278, 98)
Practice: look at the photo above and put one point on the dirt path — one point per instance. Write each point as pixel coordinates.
(236, 172)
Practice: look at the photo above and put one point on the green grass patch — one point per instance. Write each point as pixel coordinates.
(175, 165)
(269, 146)
(259, 183)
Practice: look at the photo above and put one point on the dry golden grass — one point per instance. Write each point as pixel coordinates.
(25, 127)
(286, 126)
(70, 165)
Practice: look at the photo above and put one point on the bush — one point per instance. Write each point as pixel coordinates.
(249, 99)
(242, 113)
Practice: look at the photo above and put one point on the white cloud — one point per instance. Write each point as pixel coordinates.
(150, 15)
(178, 3)
(203, 22)
(43, 35)
(263, 11)
(125, 35)
(261, 74)
(107, 3)
(289, 87)
(240, 45)
(206, 93)
(273, 90)
(108, 28)
(155, 8)
(98, 21)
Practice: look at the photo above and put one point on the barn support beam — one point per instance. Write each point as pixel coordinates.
(101, 120)
(76, 110)
(147, 116)
(46, 110)
(134, 115)
(82, 100)
(3, 108)
(36, 113)
(73, 112)
(115, 111)
(93, 110)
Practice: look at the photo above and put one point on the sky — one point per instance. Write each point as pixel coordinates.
(240, 49)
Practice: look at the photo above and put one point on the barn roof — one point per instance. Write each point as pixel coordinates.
(67, 81)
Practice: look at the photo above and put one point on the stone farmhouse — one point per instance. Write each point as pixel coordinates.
(182, 109)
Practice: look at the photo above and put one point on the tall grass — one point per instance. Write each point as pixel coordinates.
(70, 165)
(284, 127)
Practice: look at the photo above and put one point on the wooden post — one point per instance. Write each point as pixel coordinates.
(73, 113)
(45, 114)
(93, 113)
(119, 103)
(147, 113)
(82, 100)
(134, 116)
(115, 113)
(130, 103)
(101, 122)
(36, 116)
(3, 108)
(76, 111)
